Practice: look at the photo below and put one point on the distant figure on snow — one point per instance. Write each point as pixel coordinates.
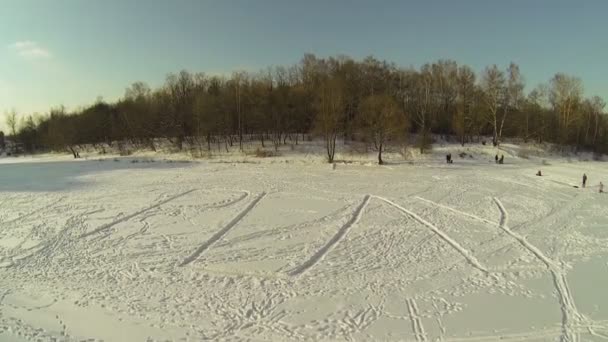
(496, 159)
(584, 179)
(539, 173)
(601, 187)
(502, 159)
(448, 158)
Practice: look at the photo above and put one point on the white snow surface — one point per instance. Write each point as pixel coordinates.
(147, 248)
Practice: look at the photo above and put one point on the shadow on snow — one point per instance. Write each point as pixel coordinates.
(64, 175)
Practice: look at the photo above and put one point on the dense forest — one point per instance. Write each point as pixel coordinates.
(372, 101)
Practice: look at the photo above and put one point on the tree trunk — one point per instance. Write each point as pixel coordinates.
(502, 124)
(423, 139)
(527, 127)
(596, 129)
(76, 154)
(587, 129)
(330, 144)
(180, 142)
(380, 161)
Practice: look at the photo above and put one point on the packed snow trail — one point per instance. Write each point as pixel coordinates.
(571, 318)
(197, 253)
(130, 216)
(475, 217)
(463, 251)
(320, 254)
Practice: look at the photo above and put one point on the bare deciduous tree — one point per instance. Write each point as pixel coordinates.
(380, 119)
(281, 104)
(493, 84)
(11, 122)
(330, 111)
(423, 102)
(513, 95)
(465, 101)
(565, 96)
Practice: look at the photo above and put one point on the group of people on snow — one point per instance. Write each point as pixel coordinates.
(449, 160)
(601, 186)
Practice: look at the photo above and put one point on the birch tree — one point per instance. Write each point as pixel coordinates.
(493, 85)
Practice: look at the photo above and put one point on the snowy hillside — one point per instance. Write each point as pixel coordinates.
(288, 248)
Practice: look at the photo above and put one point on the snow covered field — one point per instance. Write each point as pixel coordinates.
(283, 249)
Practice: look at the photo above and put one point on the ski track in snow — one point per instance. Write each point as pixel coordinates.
(387, 279)
(570, 315)
(197, 253)
(37, 211)
(469, 215)
(130, 216)
(320, 254)
(463, 251)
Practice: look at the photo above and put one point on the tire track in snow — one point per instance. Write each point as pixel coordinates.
(463, 251)
(130, 216)
(320, 254)
(570, 315)
(222, 231)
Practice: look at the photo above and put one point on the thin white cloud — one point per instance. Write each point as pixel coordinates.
(30, 50)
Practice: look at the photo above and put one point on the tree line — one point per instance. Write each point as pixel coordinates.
(335, 98)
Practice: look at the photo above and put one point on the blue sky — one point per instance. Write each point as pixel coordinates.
(72, 51)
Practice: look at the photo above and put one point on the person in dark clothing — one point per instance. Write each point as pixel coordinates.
(601, 187)
(584, 179)
(539, 173)
(502, 159)
(496, 159)
(448, 158)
